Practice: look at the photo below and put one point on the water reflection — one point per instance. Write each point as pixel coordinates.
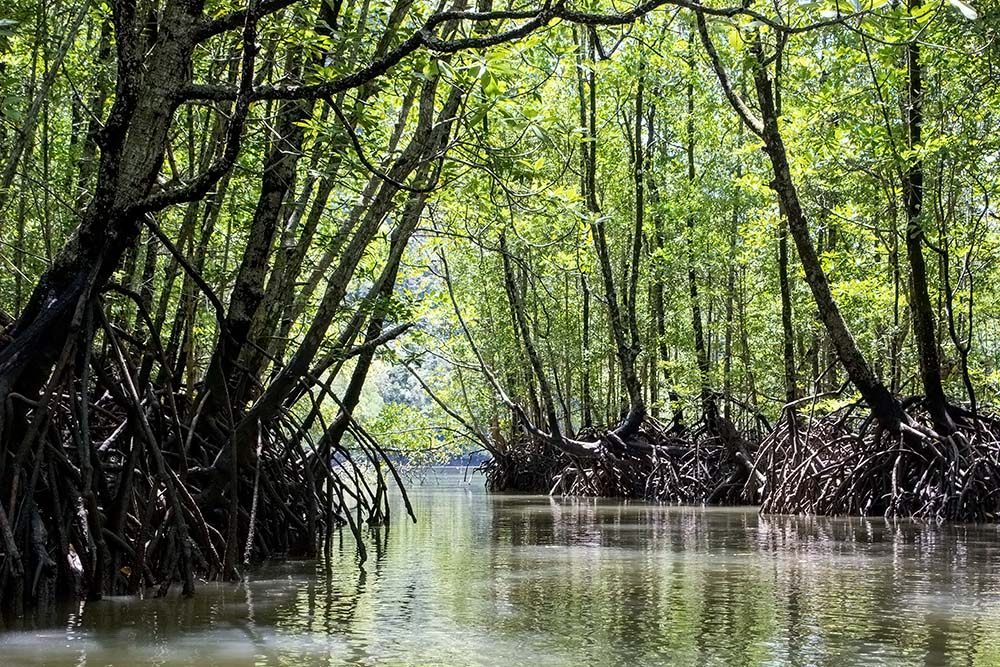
(500, 580)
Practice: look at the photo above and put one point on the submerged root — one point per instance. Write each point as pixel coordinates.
(841, 463)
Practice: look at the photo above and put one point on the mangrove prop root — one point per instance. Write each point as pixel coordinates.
(708, 463)
(834, 464)
(106, 487)
(839, 464)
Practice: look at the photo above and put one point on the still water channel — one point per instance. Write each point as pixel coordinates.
(514, 580)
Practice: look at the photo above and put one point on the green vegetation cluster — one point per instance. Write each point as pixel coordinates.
(258, 255)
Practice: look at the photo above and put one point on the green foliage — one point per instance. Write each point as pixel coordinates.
(514, 167)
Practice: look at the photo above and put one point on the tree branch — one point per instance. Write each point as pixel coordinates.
(359, 151)
(199, 187)
(234, 20)
(533, 20)
(755, 124)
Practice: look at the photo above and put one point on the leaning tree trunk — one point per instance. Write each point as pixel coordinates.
(587, 417)
(885, 408)
(410, 217)
(277, 186)
(133, 144)
(429, 141)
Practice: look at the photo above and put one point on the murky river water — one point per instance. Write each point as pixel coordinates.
(504, 580)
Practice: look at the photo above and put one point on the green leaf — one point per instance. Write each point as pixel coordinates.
(490, 85)
(478, 115)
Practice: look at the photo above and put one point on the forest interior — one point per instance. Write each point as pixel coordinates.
(260, 258)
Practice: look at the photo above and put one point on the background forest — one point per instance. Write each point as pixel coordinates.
(257, 255)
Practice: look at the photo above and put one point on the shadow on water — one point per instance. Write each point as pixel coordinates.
(529, 580)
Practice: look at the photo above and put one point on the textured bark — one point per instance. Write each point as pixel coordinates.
(787, 332)
(133, 144)
(430, 138)
(587, 407)
(277, 184)
(639, 178)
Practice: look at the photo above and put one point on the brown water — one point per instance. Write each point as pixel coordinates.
(505, 581)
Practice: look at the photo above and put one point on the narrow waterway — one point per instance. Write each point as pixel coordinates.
(513, 580)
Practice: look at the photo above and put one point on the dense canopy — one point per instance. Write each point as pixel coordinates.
(260, 256)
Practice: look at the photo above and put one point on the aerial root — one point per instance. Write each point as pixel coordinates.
(108, 484)
(699, 465)
(840, 464)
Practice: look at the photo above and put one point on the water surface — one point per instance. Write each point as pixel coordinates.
(513, 580)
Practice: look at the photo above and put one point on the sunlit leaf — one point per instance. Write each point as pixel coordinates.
(968, 11)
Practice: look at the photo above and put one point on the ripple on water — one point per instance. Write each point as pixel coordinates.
(502, 581)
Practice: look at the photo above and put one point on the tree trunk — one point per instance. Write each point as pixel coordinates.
(708, 406)
(884, 406)
(787, 333)
(626, 353)
(133, 144)
(430, 138)
(659, 314)
(277, 185)
(913, 196)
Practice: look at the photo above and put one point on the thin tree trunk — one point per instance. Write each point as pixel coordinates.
(409, 219)
(659, 315)
(26, 130)
(708, 406)
(619, 324)
(913, 196)
(787, 332)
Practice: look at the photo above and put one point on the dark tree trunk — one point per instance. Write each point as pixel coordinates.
(133, 143)
(659, 314)
(429, 140)
(884, 406)
(625, 352)
(708, 406)
(913, 197)
(587, 398)
(387, 281)
(787, 333)
(514, 296)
